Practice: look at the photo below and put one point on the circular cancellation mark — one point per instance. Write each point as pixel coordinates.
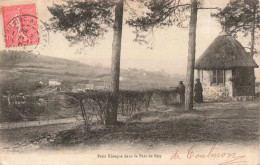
(27, 31)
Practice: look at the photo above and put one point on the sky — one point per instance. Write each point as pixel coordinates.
(169, 47)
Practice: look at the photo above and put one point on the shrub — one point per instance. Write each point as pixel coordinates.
(95, 103)
(134, 101)
(91, 104)
(167, 97)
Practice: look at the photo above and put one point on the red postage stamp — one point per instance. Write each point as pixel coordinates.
(20, 25)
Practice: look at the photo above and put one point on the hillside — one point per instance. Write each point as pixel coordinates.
(21, 72)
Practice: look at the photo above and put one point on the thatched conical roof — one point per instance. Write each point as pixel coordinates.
(225, 52)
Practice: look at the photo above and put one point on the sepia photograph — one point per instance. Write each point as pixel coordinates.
(102, 82)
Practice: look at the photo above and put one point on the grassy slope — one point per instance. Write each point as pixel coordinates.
(210, 123)
(18, 68)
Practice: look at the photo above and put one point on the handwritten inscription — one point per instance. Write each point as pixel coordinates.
(211, 154)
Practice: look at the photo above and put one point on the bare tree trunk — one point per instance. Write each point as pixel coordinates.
(191, 57)
(111, 115)
(253, 33)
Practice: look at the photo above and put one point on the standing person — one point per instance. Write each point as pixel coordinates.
(181, 91)
(198, 91)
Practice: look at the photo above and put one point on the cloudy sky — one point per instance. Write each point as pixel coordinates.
(170, 45)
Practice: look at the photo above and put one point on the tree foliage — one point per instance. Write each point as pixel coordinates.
(87, 21)
(238, 17)
(159, 14)
(82, 21)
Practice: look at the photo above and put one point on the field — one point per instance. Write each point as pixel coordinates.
(22, 71)
(230, 122)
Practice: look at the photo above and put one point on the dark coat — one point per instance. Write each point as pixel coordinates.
(181, 91)
(198, 93)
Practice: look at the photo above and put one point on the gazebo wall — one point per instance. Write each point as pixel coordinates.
(244, 83)
(214, 92)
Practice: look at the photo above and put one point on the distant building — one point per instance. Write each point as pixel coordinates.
(20, 98)
(14, 99)
(54, 83)
(99, 87)
(226, 70)
(89, 86)
(82, 87)
(5, 100)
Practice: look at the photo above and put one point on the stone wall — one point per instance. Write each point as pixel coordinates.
(213, 92)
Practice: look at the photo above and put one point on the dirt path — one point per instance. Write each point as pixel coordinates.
(23, 124)
(12, 137)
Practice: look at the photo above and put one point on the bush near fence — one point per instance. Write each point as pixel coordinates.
(90, 104)
(95, 103)
(166, 96)
(134, 101)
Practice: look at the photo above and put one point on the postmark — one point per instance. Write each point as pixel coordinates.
(22, 28)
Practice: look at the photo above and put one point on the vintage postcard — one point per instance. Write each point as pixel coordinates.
(129, 82)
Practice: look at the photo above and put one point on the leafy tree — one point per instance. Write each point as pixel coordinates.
(86, 22)
(82, 22)
(241, 16)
